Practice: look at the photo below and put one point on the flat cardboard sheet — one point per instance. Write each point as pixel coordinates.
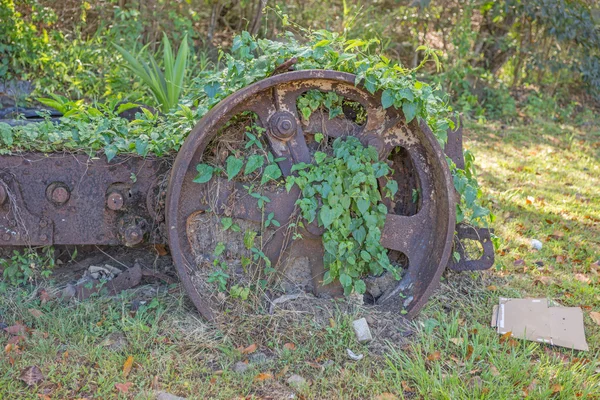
(539, 321)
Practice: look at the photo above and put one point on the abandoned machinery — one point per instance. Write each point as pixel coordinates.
(67, 199)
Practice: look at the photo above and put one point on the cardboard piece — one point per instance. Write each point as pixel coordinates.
(539, 321)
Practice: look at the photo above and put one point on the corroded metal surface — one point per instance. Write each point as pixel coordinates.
(74, 199)
(422, 232)
(466, 262)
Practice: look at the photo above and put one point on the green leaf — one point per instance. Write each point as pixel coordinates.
(141, 146)
(363, 205)
(110, 151)
(249, 239)
(365, 255)
(345, 280)
(387, 98)
(254, 162)
(205, 173)
(226, 222)
(409, 110)
(359, 286)
(272, 172)
(234, 166)
(327, 215)
(319, 137)
(319, 157)
(219, 249)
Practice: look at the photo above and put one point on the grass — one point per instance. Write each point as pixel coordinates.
(542, 180)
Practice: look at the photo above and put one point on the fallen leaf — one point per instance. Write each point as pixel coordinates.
(314, 365)
(406, 387)
(492, 288)
(560, 259)
(161, 249)
(16, 339)
(35, 313)
(556, 235)
(529, 200)
(434, 356)
(385, 396)
(289, 346)
(44, 296)
(595, 317)
(123, 387)
(469, 351)
(31, 375)
(10, 347)
(456, 341)
(332, 322)
(127, 366)
(263, 377)
(282, 372)
(505, 337)
(17, 329)
(44, 396)
(582, 278)
(494, 371)
(556, 388)
(250, 349)
(155, 385)
(542, 280)
(518, 262)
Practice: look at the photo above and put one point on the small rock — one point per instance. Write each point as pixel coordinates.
(69, 292)
(353, 356)
(240, 367)
(536, 244)
(258, 358)
(116, 341)
(362, 331)
(328, 364)
(296, 381)
(167, 396)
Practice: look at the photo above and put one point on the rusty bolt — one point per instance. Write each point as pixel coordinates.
(58, 193)
(6, 237)
(3, 194)
(43, 223)
(43, 237)
(283, 125)
(115, 201)
(133, 235)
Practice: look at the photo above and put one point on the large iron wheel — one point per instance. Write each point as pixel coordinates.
(420, 232)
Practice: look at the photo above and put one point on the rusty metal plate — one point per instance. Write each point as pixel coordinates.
(77, 200)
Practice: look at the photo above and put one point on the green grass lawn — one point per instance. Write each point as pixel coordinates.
(543, 182)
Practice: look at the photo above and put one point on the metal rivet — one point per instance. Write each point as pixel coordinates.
(6, 237)
(114, 201)
(283, 125)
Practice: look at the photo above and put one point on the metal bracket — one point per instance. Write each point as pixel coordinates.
(481, 235)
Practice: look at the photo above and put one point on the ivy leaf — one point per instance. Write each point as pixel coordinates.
(254, 163)
(249, 239)
(226, 222)
(211, 89)
(360, 234)
(392, 186)
(234, 166)
(345, 280)
(327, 215)
(409, 110)
(272, 172)
(110, 151)
(359, 286)
(363, 205)
(365, 255)
(141, 146)
(319, 137)
(387, 98)
(406, 93)
(205, 173)
(320, 156)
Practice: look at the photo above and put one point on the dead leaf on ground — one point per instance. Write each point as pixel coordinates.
(282, 372)
(44, 396)
(31, 375)
(494, 371)
(582, 278)
(518, 262)
(542, 280)
(263, 376)
(35, 313)
(250, 349)
(17, 329)
(385, 396)
(161, 249)
(469, 351)
(595, 317)
(127, 366)
(556, 388)
(44, 296)
(406, 387)
(505, 337)
(289, 346)
(556, 235)
(456, 341)
(492, 288)
(560, 259)
(530, 200)
(123, 387)
(434, 356)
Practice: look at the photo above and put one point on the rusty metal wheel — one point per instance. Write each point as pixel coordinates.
(420, 223)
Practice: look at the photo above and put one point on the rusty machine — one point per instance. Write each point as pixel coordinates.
(67, 199)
